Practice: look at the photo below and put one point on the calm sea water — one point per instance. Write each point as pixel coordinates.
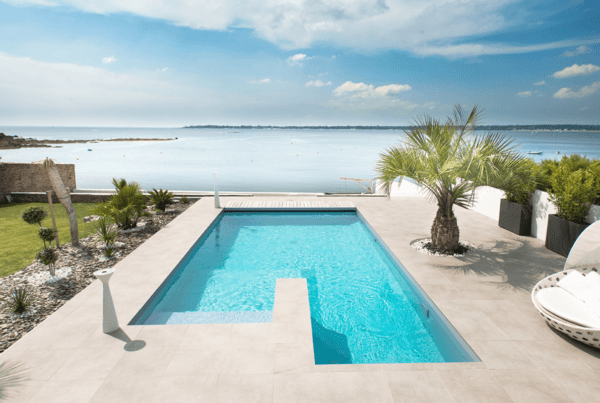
(246, 160)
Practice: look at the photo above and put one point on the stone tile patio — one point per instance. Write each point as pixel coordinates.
(485, 295)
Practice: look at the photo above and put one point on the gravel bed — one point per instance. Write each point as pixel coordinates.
(74, 272)
(424, 246)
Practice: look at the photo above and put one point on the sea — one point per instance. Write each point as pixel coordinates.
(248, 160)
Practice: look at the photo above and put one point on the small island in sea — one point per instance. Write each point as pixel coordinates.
(14, 142)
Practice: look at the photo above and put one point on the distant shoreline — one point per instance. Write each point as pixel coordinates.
(16, 142)
(528, 128)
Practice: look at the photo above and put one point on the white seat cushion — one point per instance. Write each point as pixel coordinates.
(563, 304)
(585, 288)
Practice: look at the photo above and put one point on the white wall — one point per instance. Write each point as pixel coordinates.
(541, 209)
(487, 202)
(403, 188)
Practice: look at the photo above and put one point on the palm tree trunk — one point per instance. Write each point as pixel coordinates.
(444, 232)
(63, 196)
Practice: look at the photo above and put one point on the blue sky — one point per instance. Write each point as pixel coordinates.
(169, 63)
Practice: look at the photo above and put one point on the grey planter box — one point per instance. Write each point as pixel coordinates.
(515, 217)
(562, 234)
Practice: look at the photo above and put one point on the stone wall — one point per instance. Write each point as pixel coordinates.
(31, 177)
(43, 198)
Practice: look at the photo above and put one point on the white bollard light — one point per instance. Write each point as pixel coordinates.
(109, 315)
(217, 204)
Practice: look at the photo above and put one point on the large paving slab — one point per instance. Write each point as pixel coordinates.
(485, 295)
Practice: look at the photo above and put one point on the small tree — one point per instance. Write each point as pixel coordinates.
(63, 196)
(125, 207)
(161, 198)
(47, 256)
(449, 161)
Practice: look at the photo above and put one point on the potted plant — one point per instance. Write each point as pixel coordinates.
(575, 184)
(518, 185)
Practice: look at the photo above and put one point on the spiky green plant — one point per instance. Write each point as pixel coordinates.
(19, 299)
(106, 232)
(521, 182)
(119, 184)
(449, 161)
(109, 250)
(184, 200)
(161, 198)
(12, 375)
(125, 207)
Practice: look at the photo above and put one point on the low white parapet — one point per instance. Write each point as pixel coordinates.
(404, 188)
(486, 201)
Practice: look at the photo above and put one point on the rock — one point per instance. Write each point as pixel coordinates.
(74, 271)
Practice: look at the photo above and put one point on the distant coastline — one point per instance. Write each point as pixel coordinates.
(534, 128)
(15, 142)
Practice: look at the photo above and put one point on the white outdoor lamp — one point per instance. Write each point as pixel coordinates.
(109, 315)
(217, 204)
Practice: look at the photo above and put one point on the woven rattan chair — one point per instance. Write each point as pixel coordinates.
(585, 258)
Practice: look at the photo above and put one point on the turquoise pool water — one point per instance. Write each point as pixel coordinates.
(364, 309)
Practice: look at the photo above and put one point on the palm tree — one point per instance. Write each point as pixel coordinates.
(12, 375)
(63, 197)
(449, 161)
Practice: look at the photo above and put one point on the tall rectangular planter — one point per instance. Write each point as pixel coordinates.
(515, 217)
(562, 234)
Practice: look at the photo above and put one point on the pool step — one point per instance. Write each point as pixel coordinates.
(288, 204)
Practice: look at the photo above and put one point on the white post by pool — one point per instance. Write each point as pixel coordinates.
(109, 315)
(217, 204)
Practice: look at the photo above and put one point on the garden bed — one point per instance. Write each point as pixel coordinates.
(48, 296)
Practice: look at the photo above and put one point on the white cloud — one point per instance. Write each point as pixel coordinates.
(317, 83)
(164, 69)
(362, 90)
(359, 24)
(475, 49)
(576, 70)
(566, 93)
(524, 94)
(543, 82)
(58, 94)
(261, 81)
(580, 50)
(391, 89)
(299, 59)
(110, 59)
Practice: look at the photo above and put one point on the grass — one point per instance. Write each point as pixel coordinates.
(19, 242)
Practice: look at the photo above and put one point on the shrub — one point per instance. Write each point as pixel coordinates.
(184, 200)
(109, 250)
(520, 182)
(125, 207)
(574, 184)
(161, 198)
(105, 231)
(19, 299)
(47, 235)
(34, 215)
(48, 257)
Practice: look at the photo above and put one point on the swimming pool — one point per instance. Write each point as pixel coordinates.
(365, 307)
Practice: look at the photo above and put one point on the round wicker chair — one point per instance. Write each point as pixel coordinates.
(585, 258)
(583, 334)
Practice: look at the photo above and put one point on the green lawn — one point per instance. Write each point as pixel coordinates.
(19, 242)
